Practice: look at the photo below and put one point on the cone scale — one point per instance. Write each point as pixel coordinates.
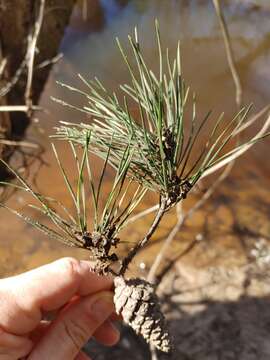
(136, 301)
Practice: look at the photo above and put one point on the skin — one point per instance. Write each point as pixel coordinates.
(79, 302)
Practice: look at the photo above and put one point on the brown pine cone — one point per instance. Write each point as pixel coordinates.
(137, 302)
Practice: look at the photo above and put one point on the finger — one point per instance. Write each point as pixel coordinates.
(82, 356)
(52, 314)
(46, 288)
(13, 346)
(39, 331)
(116, 317)
(73, 327)
(107, 334)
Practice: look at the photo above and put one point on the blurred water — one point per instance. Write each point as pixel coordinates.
(205, 66)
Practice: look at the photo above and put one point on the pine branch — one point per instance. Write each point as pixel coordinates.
(108, 220)
(163, 139)
(133, 252)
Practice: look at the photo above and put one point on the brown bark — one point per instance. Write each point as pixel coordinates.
(17, 20)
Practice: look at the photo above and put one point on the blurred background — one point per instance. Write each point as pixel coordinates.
(222, 269)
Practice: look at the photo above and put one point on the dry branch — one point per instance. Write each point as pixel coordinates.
(19, 143)
(3, 65)
(48, 62)
(13, 81)
(32, 44)
(18, 108)
(229, 53)
(143, 213)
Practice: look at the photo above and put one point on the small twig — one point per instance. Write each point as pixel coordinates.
(252, 120)
(32, 43)
(20, 108)
(143, 214)
(181, 222)
(48, 62)
(3, 61)
(19, 143)
(229, 52)
(2, 66)
(29, 62)
(6, 89)
(126, 261)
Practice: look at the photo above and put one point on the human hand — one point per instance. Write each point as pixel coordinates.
(80, 299)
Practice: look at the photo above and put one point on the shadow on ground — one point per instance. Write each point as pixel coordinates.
(237, 330)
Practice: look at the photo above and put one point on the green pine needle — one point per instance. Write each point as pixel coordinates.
(107, 220)
(163, 138)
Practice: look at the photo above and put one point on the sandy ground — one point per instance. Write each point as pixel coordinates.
(213, 314)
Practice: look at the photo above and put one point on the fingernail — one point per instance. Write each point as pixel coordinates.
(103, 306)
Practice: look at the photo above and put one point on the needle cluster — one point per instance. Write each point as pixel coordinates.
(164, 135)
(72, 226)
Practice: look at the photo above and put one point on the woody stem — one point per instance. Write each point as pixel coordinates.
(127, 260)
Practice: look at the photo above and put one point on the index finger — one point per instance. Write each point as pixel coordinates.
(47, 288)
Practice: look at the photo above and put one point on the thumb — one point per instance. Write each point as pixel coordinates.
(73, 327)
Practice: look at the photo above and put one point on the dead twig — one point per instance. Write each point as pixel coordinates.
(3, 61)
(28, 62)
(229, 53)
(4, 90)
(252, 120)
(19, 143)
(32, 44)
(143, 214)
(13, 81)
(48, 62)
(19, 108)
(3, 66)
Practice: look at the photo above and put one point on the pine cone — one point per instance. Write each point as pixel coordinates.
(137, 302)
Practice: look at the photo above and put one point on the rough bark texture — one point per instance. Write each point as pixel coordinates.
(17, 18)
(137, 302)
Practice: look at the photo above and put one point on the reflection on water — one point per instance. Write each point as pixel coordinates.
(89, 48)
